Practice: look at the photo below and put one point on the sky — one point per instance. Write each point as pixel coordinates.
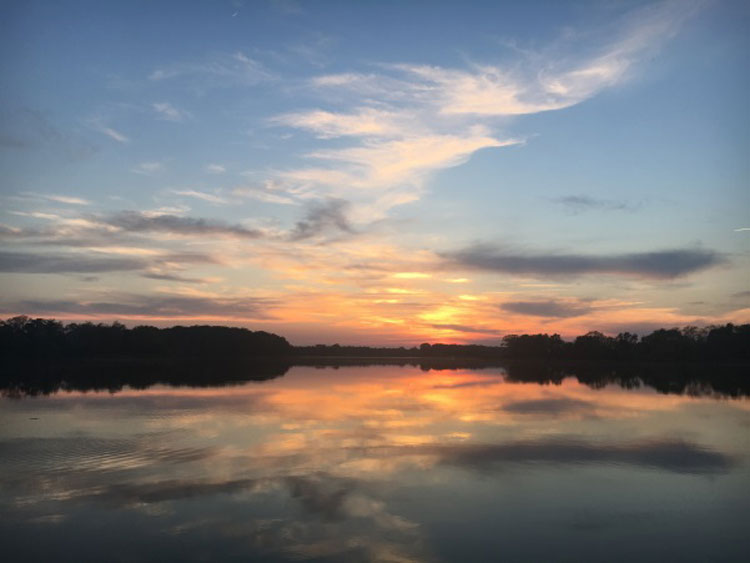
(382, 173)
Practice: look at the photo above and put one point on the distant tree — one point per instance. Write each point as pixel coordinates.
(594, 346)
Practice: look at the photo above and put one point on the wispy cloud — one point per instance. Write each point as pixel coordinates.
(148, 168)
(554, 308)
(96, 261)
(110, 132)
(551, 407)
(32, 263)
(663, 264)
(547, 81)
(219, 70)
(151, 306)
(215, 169)
(211, 198)
(137, 222)
(408, 121)
(58, 198)
(675, 456)
(168, 112)
(69, 200)
(363, 122)
(264, 195)
(382, 173)
(169, 276)
(100, 123)
(289, 7)
(467, 329)
(576, 204)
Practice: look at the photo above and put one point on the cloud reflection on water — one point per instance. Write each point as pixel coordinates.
(342, 464)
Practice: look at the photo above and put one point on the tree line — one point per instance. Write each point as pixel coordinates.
(725, 343)
(47, 338)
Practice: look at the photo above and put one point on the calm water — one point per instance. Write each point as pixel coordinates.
(380, 463)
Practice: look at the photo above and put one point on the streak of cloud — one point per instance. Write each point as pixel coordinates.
(549, 308)
(149, 306)
(137, 222)
(668, 455)
(210, 198)
(217, 71)
(20, 262)
(663, 264)
(576, 204)
(168, 112)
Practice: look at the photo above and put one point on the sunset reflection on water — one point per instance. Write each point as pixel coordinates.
(382, 463)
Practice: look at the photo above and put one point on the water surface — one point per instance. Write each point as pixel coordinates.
(378, 463)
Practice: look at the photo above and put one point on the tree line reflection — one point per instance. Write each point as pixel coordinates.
(41, 377)
(43, 356)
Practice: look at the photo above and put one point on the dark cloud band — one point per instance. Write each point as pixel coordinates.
(550, 308)
(135, 222)
(663, 264)
(29, 263)
(147, 306)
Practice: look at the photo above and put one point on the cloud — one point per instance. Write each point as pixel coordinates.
(365, 122)
(550, 81)
(153, 306)
(26, 128)
(263, 195)
(168, 112)
(464, 328)
(57, 198)
(667, 455)
(138, 222)
(129, 494)
(391, 162)
(113, 134)
(548, 406)
(289, 7)
(108, 233)
(549, 308)
(216, 71)
(124, 259)
(408, 121)
(165, 276)
(19, 262)
(148, 168)
(322, 217)
(215, 169)
(580, 203)
(463, 384)
(67, 199)
(7, 231)
(321, 496)
(546, 81)
(211, 198)
(664, 264)
(381, 173)
(98, 124)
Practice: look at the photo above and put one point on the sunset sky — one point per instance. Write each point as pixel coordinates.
(383, 173)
